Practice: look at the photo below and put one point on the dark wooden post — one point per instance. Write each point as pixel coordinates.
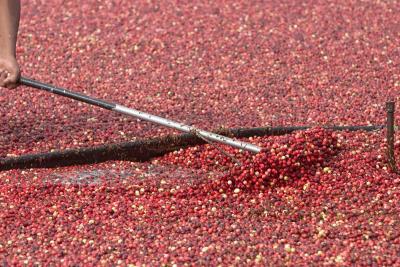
(390, 108)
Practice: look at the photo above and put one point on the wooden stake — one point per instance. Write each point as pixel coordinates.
(390, 108)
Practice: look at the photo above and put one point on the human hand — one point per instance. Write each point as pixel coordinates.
(9, 72)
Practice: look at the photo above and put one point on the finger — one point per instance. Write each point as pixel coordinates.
(3, 77)
(10, 85)
(11, 81)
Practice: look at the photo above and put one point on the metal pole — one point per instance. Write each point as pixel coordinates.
(188, 129)
(140, 114)
(390, 108)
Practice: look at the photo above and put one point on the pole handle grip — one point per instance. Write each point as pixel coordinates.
(67, 93)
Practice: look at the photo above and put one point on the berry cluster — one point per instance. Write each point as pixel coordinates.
(281, 161)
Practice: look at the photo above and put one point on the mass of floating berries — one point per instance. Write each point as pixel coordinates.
(311, 197)
(343, 210)
(209, 64)
(279, 162)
